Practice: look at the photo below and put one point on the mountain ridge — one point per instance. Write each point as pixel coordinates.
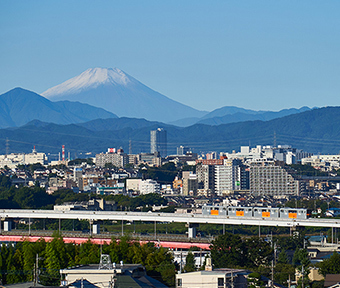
(20, 106)
(313, 131)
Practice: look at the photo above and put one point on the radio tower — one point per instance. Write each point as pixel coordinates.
(130, 147)
(63, 152)
(274, 139)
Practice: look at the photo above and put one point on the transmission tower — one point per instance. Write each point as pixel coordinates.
(105, 262)
(7, 147)
(130, 147)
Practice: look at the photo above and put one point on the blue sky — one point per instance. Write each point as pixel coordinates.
(262, 55)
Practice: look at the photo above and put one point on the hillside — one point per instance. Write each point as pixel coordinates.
(314, 131)
(19, 106)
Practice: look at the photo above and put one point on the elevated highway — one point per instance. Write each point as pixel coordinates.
(7, 214)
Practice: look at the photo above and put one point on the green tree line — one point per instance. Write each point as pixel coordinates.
(17, 261)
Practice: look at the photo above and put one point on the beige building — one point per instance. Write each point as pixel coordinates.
(132, 184)
(217, 278)
(117, 158)
(313, 275)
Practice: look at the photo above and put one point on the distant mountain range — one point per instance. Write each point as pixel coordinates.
(83, 128)
(20, 106)
(232, 114)
(316, 130)
(117, 92)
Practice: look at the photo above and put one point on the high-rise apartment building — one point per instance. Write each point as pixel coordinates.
(117, 158)
(206, 176)
(158, 141)
(267, 178)
(231, 176)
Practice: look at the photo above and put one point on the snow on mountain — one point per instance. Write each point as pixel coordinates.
(91, 78)
(121, 94)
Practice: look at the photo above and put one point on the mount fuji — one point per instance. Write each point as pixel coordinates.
(117, 92)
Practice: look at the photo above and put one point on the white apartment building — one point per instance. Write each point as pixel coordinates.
(328, 162)
(15, 159)
(283, 153)
(149, 186)
(225, 178)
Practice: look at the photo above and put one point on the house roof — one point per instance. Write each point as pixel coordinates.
(142, 282)
(82, 283)
(331, 279)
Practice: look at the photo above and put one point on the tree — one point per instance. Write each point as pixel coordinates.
(302, 262)
(254, 280)
(258, 251)
(282, 273)
(28, 259)
(190, 262)
(14, 266)
(331, 265)
(89, 253)
(283, 258)
(56, 259)
(227, 251)
(109, 166)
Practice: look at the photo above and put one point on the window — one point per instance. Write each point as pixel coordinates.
(220, 282)
(179, 282)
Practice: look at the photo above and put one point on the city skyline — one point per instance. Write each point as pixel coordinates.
(261, 56)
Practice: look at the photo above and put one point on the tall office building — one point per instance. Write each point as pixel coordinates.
(158, 141)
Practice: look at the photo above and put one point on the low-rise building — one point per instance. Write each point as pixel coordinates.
(91, 205)
(149, 186)
(213, 278)
(110, 275)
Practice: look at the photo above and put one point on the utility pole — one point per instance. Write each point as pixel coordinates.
(232, 279)
(272, 284)
(36, 269)
(155, 230)
(180, 267)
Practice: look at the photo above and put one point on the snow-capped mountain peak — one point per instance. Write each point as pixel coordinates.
(91, 78)
(121, 94)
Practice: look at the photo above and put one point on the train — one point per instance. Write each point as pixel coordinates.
(255, 212)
